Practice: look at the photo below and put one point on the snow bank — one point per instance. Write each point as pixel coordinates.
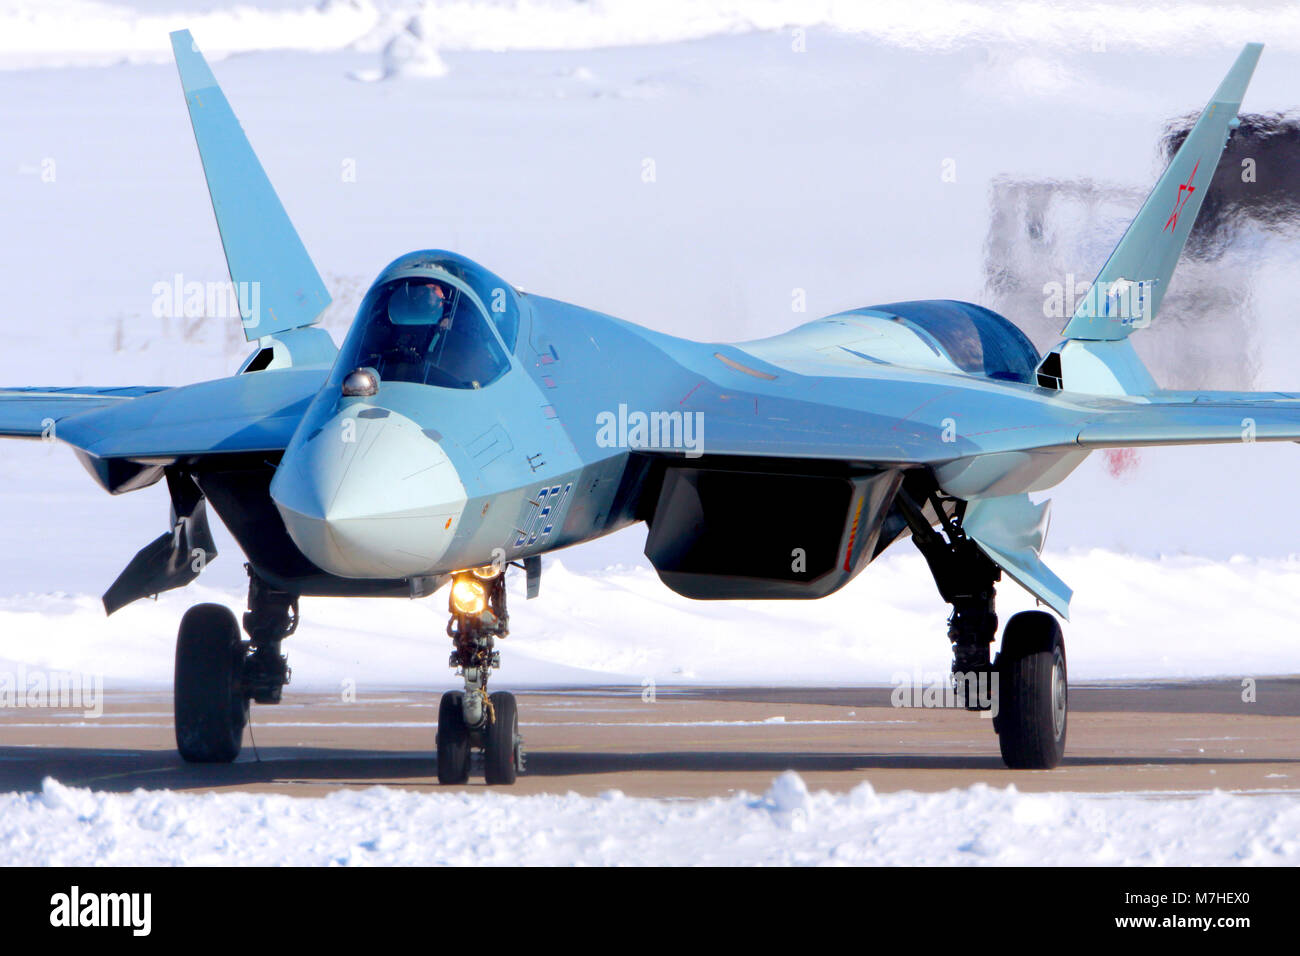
(379, 826)
(82, 32)
(1133, 618)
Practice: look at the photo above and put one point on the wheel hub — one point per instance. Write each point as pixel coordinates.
(1059, 702)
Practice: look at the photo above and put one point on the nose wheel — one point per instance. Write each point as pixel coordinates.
(502, 745)
(472, 720)
(453, 739)
(498, 739)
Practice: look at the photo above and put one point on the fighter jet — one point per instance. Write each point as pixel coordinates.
(464, 428)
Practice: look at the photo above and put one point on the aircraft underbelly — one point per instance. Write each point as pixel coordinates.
(719, 534)
(1008, 473)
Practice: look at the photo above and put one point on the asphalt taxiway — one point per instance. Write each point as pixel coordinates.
(690, 741)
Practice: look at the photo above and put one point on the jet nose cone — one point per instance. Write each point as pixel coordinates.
(369, 495)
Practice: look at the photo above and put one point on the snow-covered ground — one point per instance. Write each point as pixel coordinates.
(786, 825)
(1132, 618)
(797, 145)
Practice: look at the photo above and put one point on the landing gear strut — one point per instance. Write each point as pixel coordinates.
(272, 616)
(472, 718)
(218, 674)
(1025, 687)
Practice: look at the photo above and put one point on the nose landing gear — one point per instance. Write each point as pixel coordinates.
(472, 718)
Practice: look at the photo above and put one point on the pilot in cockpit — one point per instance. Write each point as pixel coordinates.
(416, 312)
(420, 303)
(431, 299)
(427, 332)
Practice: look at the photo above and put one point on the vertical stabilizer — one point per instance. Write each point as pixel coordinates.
(1126, 295)
(277, 284)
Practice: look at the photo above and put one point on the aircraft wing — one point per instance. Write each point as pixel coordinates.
(125, 437)
(1004, 441)
(861, 436)
(892, 416)
(1196, 419)
(35, 412)
(242, 413)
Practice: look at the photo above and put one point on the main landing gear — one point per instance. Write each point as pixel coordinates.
(218, 673)
(472, 719)
(1026, 686)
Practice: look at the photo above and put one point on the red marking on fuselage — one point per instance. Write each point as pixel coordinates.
(853, 533)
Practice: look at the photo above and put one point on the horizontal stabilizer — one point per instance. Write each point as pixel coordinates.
(277, 284)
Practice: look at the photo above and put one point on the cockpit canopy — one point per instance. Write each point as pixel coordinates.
(426, 321)
(975, 339)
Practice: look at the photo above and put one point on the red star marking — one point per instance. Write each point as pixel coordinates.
(1184, 193)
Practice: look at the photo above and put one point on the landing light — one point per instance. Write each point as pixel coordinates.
(467, 595)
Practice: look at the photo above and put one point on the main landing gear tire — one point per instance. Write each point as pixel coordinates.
(453, 739)
(210, 708)
(501, 740)
(1033, 692)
